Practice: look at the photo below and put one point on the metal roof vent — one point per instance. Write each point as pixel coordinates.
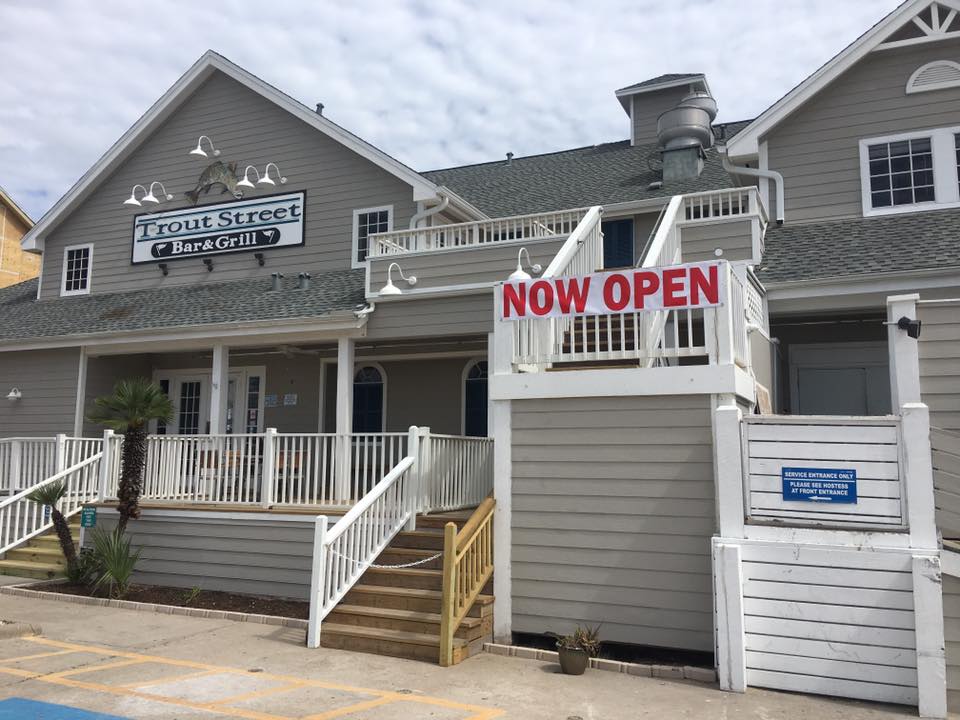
(688, 124)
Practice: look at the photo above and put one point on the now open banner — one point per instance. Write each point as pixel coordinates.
(688, 286)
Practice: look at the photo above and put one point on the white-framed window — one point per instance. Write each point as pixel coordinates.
(910, 172)
(475, 399)
(77, 269)
(366, 222)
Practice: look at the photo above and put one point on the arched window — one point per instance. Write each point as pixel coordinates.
(475, 399)
(368, 399)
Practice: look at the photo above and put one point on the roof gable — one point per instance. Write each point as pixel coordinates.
(885, 33)
(161, 110)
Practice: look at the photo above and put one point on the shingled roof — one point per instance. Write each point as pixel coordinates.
(22, 317)
(594, 175)
(660, 80)
(861, 246)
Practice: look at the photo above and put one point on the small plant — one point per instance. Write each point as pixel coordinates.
(115, 561)
(583, 638)
(49, 496)
(191, 595)
(85, 570)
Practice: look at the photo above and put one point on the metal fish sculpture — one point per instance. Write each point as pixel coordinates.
(216, 174)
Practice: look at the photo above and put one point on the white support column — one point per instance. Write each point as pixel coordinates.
(317, 580)
(219, 383)
(723, 323)
(268, 480)
(415, 478)
(728, 592)
(60, 453)
(78, 413)
(728, 466)
(918, 475)
(344, 428)
(931, 655)
(904, 353)
(106, 465)
(425, 448)
(502, 542)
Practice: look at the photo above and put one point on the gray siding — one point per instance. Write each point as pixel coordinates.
(256, 555)
(48, 381)
(488, 263)
(613, 510)
(735, 237)
(432, 317)
(951, 627)
(817, 148)
(249, 130)
(102, 374)
(940, 363)
(647, 107)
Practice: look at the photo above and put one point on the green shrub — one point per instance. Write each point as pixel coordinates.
(85, 570)
(115, 561)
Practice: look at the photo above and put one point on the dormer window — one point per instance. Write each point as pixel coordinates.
(910, 172)
(77, 262)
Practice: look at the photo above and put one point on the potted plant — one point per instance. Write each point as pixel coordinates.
(576, 650)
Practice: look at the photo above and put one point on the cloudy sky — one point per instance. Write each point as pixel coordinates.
(433, 83)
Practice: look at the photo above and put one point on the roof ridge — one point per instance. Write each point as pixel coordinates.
(535, 155)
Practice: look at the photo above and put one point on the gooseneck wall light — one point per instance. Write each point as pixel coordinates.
(520, 273)
(262, 179)
(132, 200)
(198, 150)
(390, 288)
(151, 198)
(148, 196)
(14, 394)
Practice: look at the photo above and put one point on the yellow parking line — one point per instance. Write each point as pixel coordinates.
(382, 697)
(35, 656)
(254, 694)
(93, 668)
(350, 709)
(170, 678)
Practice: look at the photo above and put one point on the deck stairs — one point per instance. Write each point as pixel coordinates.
(39, 557)
(395, 611)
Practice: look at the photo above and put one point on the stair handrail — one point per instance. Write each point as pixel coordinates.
(573, 244)
(17, 528)
(467, 566)
(664, 249)
(344, 552)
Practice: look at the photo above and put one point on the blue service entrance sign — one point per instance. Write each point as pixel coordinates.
(823, 485)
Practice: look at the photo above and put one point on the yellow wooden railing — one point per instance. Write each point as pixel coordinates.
(467, 566)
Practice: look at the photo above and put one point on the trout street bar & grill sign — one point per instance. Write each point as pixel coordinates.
(256, 224)
(689, 286)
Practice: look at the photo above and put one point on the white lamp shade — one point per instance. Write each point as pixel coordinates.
(199, 151)
(14, 394)
(519, 274)
(245, 183)
(390, 289)
(150, 198)
(131, 201)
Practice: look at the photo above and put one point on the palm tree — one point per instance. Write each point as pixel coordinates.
(129, 410)
(49, 495)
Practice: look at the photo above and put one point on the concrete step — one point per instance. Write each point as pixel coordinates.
(416, 599)
(381, 641)
(424, 623)
(25, 568)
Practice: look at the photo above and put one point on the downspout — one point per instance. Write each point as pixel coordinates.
(753, 172)
(424, 214)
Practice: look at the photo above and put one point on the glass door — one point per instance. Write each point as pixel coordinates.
(191, 406)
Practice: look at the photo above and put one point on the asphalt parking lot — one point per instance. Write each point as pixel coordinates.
(131, 664)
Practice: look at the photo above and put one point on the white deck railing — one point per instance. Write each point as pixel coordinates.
(26, 461)
(457, 471)
(342, 554)
(519, 228)
(22, 519)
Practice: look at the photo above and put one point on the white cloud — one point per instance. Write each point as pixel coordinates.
(433, 83)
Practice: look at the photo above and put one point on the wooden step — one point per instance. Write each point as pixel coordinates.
(425, 623)
(26, 568)
(417, 599)
(381, 641)
(426, 539)
(439, 520)
(401, 556)
(406, 577)
(42, 554)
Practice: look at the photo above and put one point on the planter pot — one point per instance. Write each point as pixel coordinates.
(573, 661)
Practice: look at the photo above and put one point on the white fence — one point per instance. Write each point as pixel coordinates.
(26, 461)
(342, 554)
(867, 448)
(518, 228)
(457, 471)
(22, 519)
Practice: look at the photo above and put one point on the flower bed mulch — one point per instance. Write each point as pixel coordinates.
(204, 599)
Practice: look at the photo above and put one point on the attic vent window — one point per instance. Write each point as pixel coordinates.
(936, 75)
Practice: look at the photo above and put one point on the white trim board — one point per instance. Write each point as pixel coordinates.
(168, 103)
(746, 142)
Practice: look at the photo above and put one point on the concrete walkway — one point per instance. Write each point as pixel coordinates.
(146, 665)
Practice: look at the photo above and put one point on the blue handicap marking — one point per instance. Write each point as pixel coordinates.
(821, 485)
(23, 709)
